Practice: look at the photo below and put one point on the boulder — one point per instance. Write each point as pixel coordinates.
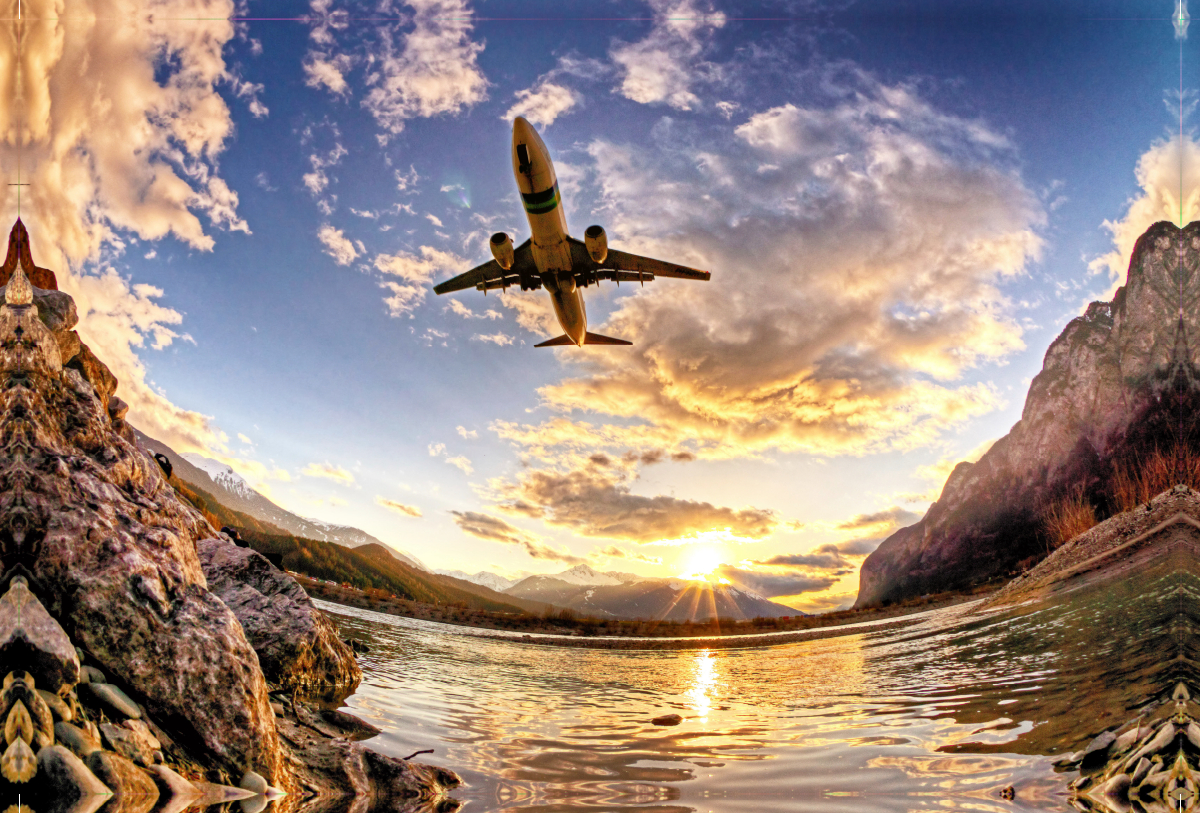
(31, 638)
(297, 645)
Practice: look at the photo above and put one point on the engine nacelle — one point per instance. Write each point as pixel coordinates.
(597, 243)
(502, 249)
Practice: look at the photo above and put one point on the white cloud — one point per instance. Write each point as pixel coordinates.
(323, 70)
(437, 449)
(400, 508)
(416, 272)
(543, 103)
(664, 67)
(337, 245)
(245, 439)
(121, 125)
(434, 220)
(468, 434)
(328, 471)
(433, 71)
(498, 339)
(461, 463)
(1163, 172)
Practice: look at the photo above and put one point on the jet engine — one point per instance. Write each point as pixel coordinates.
(502, 249)
(597, 243)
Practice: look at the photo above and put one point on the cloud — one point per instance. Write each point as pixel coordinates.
(499, 339)
(323, 70)
(434, 220)
(337, 245)
(937, 473)
(826, 557)
(664, 67)
(437, 449)
(770, 585)
(495, 529)
(616, 552)
(468, 434)
(851, 289)
(542, 103)
(457, 307)
(1163, 172)
(416, 272)
(329, 472)
(120, 125)
(599, 503)
(461, 463)
(245, 439)
(317, 180)
(399, 507)
(894, 517)
(434, 71)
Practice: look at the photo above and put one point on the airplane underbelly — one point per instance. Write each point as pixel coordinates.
(568, 307)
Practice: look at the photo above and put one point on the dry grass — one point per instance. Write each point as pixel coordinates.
(1137, 483)
(1068, 518)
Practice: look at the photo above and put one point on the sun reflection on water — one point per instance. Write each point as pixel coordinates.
(704, 682)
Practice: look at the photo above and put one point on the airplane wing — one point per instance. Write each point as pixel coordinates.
(625, 267)
(490, 275)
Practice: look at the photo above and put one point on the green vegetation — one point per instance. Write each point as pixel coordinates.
(368, 567)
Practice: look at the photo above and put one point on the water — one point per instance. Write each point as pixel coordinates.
(942, 715)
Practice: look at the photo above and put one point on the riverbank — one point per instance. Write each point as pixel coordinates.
(617, 634)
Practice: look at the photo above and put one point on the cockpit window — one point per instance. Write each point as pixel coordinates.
(523, 157)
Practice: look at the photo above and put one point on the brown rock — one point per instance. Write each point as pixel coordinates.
(133, 789)
(1110, 390)
(297, 645)
(32, 640)
(95, 372)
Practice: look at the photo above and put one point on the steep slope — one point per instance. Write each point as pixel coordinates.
(662, 599)
(1118, 384)
(233, 492)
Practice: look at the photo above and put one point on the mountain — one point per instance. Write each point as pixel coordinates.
(1117, 388)
(662, 599)
(483, 578)
(233, 492)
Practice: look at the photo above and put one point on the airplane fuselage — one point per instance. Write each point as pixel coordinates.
(538, 186)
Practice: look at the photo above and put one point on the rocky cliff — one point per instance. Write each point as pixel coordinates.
(117, 658)
(1119, 383)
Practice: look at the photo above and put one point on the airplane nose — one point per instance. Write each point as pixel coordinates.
(522, 130)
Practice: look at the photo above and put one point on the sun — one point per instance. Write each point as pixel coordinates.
(700, 564)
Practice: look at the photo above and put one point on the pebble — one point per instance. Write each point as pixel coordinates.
(113, 698)
(1101, 743)
(254, 783)
(277, 708)
(57, 705)
(1116, 787)
(90, 674)
(76, 739)
(667, 719)
(1140, 771)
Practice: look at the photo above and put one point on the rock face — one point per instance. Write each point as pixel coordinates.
(1118, 384)
(297, 645)
(99, 563)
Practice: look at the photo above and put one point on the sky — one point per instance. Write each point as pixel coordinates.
(902, 203)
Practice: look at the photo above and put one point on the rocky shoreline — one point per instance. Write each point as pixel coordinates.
(145, 658)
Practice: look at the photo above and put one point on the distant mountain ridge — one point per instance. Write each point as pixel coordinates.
(603, 595)
(235, 493)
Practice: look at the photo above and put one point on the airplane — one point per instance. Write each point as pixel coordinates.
(551, 257)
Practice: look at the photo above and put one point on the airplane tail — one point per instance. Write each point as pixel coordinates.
(596, 338)
(588, 338)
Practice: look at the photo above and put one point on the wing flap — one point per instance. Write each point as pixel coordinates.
(490, 275)
(622, 266)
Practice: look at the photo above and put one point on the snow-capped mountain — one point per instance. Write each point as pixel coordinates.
(222, 475)
(582, 574)
(232, 491)
(664, 599)
(483, 578)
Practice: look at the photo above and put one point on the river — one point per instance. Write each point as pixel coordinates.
(941, 715)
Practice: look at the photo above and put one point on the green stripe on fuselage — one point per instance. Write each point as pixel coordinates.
(539, 203)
